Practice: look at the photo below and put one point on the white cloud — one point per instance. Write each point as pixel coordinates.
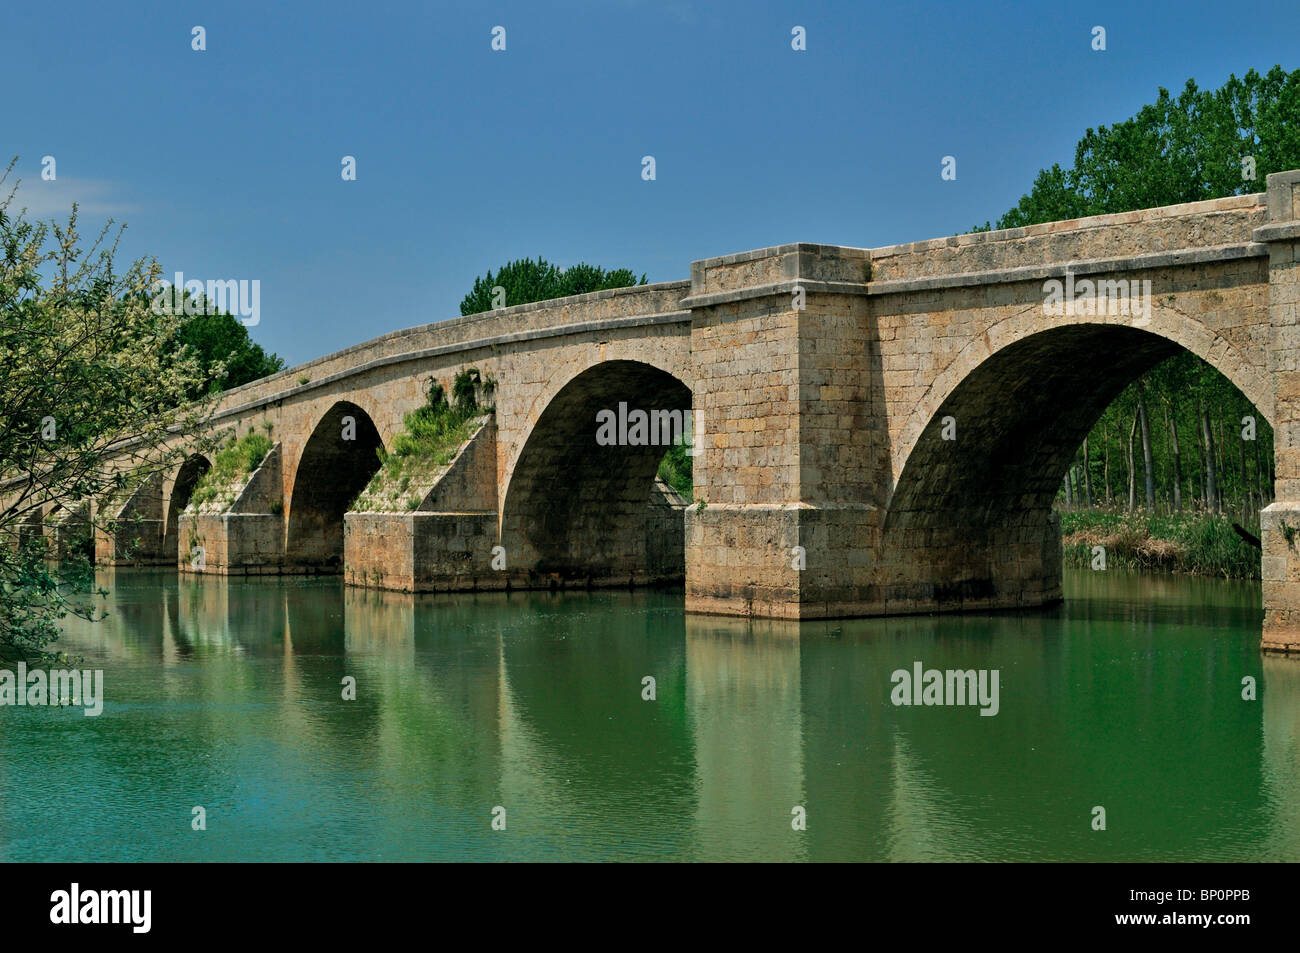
(44, 199)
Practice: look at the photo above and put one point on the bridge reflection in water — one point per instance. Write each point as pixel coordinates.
(227, 693)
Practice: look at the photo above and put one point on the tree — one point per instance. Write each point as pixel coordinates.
(89, 385)
(1177, 149)
(527, 280)
(227, 356)
(1148, 467)
(1199, 144)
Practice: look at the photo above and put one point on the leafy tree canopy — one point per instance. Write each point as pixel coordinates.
(1181, 148)
(93, 393)
(225, 352)
(527, 280)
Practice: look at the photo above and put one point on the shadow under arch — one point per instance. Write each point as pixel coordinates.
(340, 457)
(187, 478)
(972, 516)
(575, 510)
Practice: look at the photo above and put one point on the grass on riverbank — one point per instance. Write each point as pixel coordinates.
(1199, 543)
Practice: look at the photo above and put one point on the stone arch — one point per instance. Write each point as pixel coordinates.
(1166, 323)
(574, 510)
(336, 463)
(187, 478)
(669, 352)
(969, 520)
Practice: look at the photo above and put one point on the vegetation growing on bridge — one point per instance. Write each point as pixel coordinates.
(220, 486)
(526, 280)
(432, 436)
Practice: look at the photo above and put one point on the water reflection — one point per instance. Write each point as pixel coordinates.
(229, 693)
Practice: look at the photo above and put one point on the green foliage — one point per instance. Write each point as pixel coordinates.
(87, 364)
(464, 391)
(231, 465)
(1178, 149)
(432, 436)
(1200, 543)
(228, 356)
(675, 470)
(527, 280)
(1176, 391)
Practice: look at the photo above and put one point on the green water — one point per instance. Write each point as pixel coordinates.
(228, 695)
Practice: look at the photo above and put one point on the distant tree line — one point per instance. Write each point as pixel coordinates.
(1179, 438)
(1201, 144)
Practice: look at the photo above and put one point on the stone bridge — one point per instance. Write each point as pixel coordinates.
(905, 414)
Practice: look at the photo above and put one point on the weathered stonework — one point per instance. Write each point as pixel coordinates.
(1280, 521)
(881, 430)
(132, 535)
(247, 538)
(446, 543)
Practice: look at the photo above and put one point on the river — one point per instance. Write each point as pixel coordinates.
(530, 710)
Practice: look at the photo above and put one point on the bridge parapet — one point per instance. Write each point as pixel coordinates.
(465, 334)
(1210, 226)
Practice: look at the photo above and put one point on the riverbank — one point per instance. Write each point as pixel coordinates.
(1197, 543)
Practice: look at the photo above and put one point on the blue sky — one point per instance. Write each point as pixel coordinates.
(226, 163)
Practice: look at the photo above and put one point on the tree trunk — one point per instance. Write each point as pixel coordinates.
(1132, 470)
(1272, 473)
(1177, 462)
(1105, 447)
(1211, 478)
(1147, 465)
(1069, 489)
(1243, 499)
(1087, 475)
(1169, 454)
(1259, 486)
(1222, 482)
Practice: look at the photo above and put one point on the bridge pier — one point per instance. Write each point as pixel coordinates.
(1280, 521)
(132, 534)
(245, 537)
(787, 397)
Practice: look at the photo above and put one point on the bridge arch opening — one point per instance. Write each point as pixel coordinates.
(337, 462)
(970, 521)
(587, 509)
(187, 478)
